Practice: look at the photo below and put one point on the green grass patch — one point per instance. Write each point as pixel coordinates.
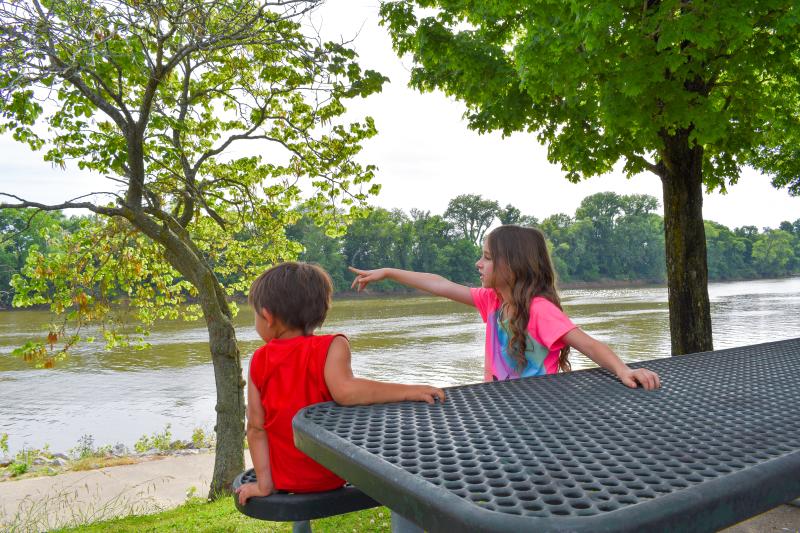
(198, 516)
(93, 463)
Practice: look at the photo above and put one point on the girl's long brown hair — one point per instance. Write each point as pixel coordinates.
(521, 261)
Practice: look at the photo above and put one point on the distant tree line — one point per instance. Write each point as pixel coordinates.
(610, 237)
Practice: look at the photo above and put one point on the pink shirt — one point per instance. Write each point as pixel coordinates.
(546, 327)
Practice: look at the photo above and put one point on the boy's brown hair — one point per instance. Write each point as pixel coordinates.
(299, 294)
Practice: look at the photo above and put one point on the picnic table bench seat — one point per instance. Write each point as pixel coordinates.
(300, 508)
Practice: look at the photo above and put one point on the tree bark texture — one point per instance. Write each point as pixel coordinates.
(680, 170)
(230, 407)
(226, 360)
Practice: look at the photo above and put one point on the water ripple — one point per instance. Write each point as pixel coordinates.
(119, 395)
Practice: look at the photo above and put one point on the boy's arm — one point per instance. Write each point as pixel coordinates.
(432, 283)
(347, 389)
(604, 356)
(259, 450)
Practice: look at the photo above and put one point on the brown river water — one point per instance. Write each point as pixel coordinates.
(117, 396)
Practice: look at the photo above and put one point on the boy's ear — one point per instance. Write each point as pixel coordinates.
(268, 317)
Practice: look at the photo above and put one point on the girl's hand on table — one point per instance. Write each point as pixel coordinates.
(648, 379)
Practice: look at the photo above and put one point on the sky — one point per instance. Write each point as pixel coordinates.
(426, 155)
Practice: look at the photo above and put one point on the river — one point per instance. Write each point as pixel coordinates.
(117, 396)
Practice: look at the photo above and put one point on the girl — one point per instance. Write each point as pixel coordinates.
(527, 333)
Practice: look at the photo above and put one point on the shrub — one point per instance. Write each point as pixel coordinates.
(18, 468)
(84, 448)
(23, 461)
(159, 441)
(201, 439)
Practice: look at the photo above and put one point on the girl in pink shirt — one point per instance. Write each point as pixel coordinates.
(527, 332)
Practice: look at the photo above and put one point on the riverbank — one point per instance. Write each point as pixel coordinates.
(41, 463)
(85, 455)
(77, 499)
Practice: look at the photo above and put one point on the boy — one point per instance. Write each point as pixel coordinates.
(296, 368)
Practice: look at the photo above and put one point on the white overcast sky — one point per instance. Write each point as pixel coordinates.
(426, 155)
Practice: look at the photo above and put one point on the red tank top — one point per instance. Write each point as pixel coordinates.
(290, 375)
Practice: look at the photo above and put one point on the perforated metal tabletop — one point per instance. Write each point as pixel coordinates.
(718, 443)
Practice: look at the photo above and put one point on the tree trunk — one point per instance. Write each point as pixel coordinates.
(229, 461)
(680, 170)
(184, 256)
(230, 407)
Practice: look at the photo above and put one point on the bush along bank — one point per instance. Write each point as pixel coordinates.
(33, 462)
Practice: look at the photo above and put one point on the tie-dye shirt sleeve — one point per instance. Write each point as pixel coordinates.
(548, 324)
(487, 302)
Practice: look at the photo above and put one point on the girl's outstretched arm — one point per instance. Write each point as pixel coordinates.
(347, 389)
(432, 283)
(604, 356)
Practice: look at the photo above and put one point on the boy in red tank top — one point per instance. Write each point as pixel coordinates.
(296, 368)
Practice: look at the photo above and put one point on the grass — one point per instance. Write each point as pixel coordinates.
(77, 506)
(76, 465)
(93, 463)
(198, 516)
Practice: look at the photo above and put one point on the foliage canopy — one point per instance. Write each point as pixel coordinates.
(605, 81)
(157, 95)
(162, 97)
(689, 91)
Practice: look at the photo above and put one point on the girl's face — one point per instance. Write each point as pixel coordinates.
(486, 267)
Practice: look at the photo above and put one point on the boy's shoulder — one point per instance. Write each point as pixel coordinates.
(259, 353)
(328, 339)
(322, 342)
(280, 346)
(276, 352)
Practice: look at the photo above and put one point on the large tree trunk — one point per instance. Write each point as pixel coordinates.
(230, 407)
(229, 461)
(187, 259)
(680, 170)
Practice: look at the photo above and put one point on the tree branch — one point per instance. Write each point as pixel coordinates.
(70, 73)
(69, 204)
(645, 163)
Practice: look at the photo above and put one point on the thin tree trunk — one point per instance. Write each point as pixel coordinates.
(680, 170)
(230, 407)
